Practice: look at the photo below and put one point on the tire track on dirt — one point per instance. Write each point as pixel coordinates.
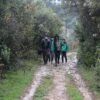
(58, 91)
(35, 83)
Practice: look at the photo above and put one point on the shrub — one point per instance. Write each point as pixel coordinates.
(5, 53)
(97, 69)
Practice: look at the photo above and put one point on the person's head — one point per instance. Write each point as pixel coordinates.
(63, 40)
(57, 36)
(47, 34)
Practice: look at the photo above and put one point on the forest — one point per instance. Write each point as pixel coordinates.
(24, 22)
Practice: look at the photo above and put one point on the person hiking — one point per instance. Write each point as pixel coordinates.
(64, 49)
(52, 49)
(57, 49)
(45, 45)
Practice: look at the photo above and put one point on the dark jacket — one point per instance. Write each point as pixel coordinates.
(45, 44)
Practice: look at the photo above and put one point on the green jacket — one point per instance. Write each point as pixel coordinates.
(52, 45)
(64, 47)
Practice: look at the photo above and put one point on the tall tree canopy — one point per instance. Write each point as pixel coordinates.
(22, 23)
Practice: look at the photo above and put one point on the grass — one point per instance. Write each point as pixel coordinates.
(43, 89)
(88, 76)
(73, 92)
(13, 86)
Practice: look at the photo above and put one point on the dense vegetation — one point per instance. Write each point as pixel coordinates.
(22, 24)
(88, 33)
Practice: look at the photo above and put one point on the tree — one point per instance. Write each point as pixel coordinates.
(23, 22)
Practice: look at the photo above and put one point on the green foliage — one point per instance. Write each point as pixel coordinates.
(97, 68)
(88, 34)
(5, 54)
(23, 23)
(86, 59)
(15, 83)
(86, 47)
(73, 92)
(88, 76)
(43, 89)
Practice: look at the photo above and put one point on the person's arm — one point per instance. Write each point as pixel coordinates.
(67, 47)
(49, 44)
(42, 43)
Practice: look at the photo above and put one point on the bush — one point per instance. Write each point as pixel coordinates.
(97, 69)
(5, 54)
(31, 54)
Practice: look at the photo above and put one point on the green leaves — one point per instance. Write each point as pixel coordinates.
(88, 34)
(6, 53)
(23, 23)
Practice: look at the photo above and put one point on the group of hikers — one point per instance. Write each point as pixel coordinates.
(53, 48)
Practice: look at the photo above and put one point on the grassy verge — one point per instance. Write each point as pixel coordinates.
(73, 92)
(43, 89)
(13, 86)
(88, 76)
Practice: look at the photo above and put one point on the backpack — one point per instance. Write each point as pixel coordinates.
(45, 43)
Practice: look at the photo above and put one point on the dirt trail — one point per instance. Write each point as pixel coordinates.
(58, 91)
(72, 70)
(35, 83)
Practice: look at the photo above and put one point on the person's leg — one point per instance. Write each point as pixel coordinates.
(47, 54)
(51, 56)
(62, 57)
(56, 58)
(65, 56)
(44, 57)
(49, 59)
